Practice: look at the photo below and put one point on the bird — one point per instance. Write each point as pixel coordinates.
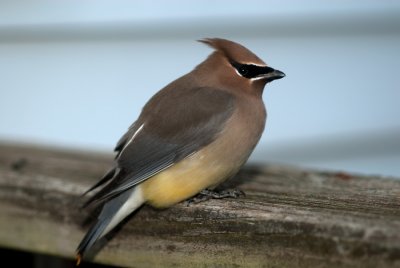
(191, 136)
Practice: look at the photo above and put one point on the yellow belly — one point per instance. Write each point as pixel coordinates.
(185, 179)
(206, 168)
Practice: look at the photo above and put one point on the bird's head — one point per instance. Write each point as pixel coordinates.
(235, 66)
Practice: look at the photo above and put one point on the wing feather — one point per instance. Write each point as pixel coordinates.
(173, 125)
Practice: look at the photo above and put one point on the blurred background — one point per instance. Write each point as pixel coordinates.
(75, 74)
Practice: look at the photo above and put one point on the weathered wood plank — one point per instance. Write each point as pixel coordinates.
(289, 217)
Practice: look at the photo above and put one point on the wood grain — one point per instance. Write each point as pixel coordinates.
(289, 217)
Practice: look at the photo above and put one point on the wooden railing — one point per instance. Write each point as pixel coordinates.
(289, 217)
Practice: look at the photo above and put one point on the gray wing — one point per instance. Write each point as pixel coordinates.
(173, 124)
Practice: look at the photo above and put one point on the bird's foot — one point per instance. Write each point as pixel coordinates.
(234, 193)
(206, 194)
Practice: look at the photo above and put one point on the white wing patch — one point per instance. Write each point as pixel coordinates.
(131, 139)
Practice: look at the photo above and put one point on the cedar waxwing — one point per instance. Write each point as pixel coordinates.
(192, 135)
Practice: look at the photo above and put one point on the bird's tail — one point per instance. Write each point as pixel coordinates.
(112, 213)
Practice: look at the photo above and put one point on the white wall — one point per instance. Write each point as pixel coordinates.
(76, 74)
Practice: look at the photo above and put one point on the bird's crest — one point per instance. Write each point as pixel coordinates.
(233, 51)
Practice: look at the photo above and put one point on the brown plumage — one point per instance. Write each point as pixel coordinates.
(190, 136)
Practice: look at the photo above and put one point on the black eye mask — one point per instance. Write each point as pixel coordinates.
(251, 70)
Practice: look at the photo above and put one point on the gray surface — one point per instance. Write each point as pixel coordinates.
(67, 75)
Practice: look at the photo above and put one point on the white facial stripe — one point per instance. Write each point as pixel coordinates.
(131, 139)
(257, 78)
(237, 72)
(255, 64)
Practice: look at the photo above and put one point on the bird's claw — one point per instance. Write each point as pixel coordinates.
(206, 194)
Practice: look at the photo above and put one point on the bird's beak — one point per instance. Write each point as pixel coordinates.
(273, 75)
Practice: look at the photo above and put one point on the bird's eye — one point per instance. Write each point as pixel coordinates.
(243, 70)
